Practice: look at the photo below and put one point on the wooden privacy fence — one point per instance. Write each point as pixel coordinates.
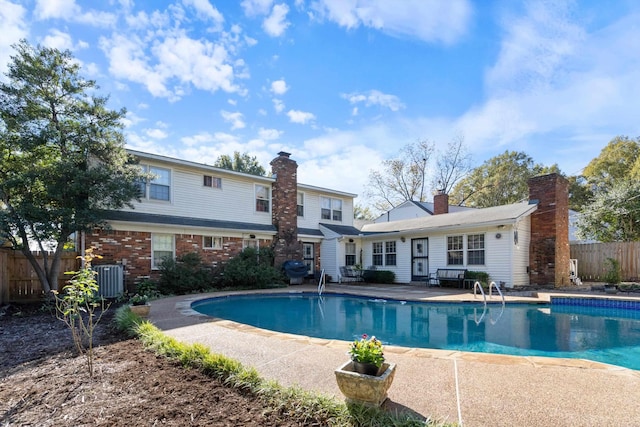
(18, 280)
(592, 259)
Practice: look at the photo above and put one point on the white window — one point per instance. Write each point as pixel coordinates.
(350, 254)
(211, 242)
(249, 243)
(262, 198)
(377, 253)
(300, 204)
(389, 253)
(158, 187)
(455, 250)
(162, 246)
(212, 181)
(475, 249)
(160, 183)
(331, 208)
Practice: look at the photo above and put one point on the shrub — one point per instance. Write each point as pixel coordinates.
(379, 276)
(251, 268)
(612, 274)
(186, 274)
(478, 276)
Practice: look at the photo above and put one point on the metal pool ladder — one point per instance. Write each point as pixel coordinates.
(321, 283)
(492, 285)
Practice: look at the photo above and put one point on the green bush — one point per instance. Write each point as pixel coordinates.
(252, 268)
(612, 274)
(186, 274)
(478, 276)
(379, 276)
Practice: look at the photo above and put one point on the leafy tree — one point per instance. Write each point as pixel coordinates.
(451, 165)
(62, 156)
(580, 192)
(240, 163)
(499, 181)
(618, 160)
(402, 178)
(613, 215)
(363, 213)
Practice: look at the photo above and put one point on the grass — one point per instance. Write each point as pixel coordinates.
(308, 407)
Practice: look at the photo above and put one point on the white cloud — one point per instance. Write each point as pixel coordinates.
(279, 87)
(427, 20)
(256, 7)
(375, 97)
(269, 134)
(276, 23)
(206, 9)
(13, 29)
(278, 105)
(68, 10)
(58, 40)
(301, 117)
(236, 119)
(180, 62)
(156, 133)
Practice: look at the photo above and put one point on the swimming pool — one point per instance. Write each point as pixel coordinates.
(564, 329)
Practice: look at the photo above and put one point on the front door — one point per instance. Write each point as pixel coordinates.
(419, 259)
(309, 258)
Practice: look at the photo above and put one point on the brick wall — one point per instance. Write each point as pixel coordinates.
(284, 209)
(549, 250)
(133, 250)
(440, 203)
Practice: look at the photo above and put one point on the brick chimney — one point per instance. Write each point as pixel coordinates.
(549, 248)
(440, 203)
(284, 196)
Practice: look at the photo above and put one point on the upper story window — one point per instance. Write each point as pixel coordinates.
(211, 242)
(331, 209)
(300, 205)
(158, 187)
(263, 197)
(212, 181)
(455, 250)
(475, 249)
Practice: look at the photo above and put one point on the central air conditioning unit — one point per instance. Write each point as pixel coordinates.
(110, 280)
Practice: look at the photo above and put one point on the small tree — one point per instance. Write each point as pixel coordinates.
(77, 306)
(240, 163)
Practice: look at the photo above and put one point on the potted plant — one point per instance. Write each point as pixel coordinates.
(140, 305)
(366, 378)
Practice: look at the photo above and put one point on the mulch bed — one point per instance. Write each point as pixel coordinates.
(44, 383)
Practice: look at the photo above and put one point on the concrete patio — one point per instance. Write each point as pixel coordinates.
(473, 389)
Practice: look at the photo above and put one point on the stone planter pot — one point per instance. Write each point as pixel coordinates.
(141, 310)
(369, 390)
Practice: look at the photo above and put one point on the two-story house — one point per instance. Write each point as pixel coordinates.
(194, 207)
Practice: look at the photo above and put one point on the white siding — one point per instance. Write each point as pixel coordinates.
(329, 258)
(406, 210)
(402, 269)
(521, 253)
(312, 209)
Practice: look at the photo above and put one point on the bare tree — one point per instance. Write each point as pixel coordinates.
(452, 165)
(402, 178)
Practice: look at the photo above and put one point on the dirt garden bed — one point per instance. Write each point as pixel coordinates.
(43, 383)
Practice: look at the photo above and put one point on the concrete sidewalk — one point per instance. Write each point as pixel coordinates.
(473, 389)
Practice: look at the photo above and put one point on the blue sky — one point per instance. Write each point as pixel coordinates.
(344, 84)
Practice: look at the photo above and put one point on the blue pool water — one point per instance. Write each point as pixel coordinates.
(609, 335)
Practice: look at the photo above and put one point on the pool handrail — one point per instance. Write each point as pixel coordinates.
(493, 284)
(321, 283)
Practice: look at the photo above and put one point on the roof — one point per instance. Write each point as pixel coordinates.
(345, 230)
(497, 215)
(188, 221)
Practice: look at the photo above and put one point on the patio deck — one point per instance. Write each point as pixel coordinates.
(473, 389)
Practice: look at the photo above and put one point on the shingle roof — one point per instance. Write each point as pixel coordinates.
(180, 220)
(345, 230)
(474, 217)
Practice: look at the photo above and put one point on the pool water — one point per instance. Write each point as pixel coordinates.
(609, 335)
